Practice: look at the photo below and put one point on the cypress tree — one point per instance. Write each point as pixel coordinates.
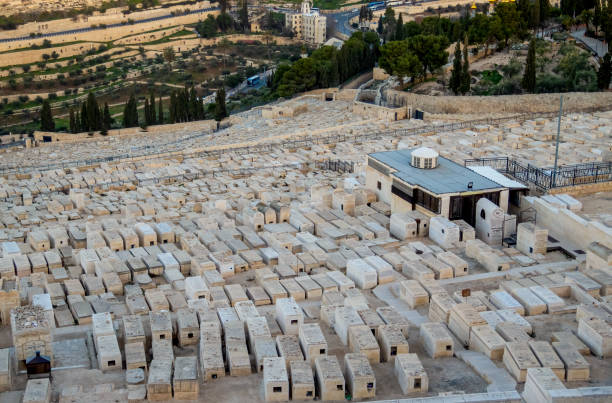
(604, 74)
(84, 121)
(202, 110)
(399, 28)
(47, 124)
(455, 78)
(193, 105)
(152, 106)
(106, 117)
(466, 78)
(72, 121)
(130, 113)
(529, 78)
(380, 27)
(173, 107)
(160, 113)
(186, 112)
(220, 109)
(147, 112)
(244, 15)
(134, 111)
(94, 118)
(77, 122)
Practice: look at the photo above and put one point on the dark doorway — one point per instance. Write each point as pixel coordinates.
(38, 366)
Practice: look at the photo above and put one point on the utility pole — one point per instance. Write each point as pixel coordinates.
(554, 175)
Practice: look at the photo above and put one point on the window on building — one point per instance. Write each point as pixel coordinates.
(417, 161)
(428, 163)
(426, 200)
(482, 214)
(378, 185)
(401, 194)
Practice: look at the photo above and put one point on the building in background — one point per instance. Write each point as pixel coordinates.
(307, 25)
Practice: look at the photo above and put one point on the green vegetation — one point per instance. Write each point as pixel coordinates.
(46, 118)
(327, 66)
(529, 77)
(605, 72)
(220, 110)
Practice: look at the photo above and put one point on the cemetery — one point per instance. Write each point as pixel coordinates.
(307, 258)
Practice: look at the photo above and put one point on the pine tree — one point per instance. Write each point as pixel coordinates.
(160, 113)
(220, 109)
(106, 118)
(47, 124)
(399, 29)
(604, 74)
(466, 78)
(529, 78)
(72, 121)
(455, 78)
(84, 121)
(152, 106)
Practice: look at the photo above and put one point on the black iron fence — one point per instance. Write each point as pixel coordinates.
(548, 178)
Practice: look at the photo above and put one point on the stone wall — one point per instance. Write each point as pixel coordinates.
(110, 34)
(35, 56)
(73, 137)
(111, 16)
(505, 104)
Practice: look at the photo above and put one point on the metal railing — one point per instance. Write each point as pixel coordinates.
(160, 151)
(13, 144)
(548, 178)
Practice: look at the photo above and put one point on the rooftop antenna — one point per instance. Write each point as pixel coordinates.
(554, 174)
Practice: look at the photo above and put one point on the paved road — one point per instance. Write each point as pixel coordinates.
(596, 46)
(242, 87)
(341, 21)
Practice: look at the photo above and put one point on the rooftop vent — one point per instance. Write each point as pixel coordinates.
(424, 158)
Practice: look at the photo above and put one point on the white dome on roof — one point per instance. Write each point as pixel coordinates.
(424, 158)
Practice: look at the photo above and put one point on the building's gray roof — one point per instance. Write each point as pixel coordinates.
(447, 177)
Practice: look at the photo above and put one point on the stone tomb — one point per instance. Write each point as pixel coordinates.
(410, 374)
(31, 332)
(185, 382)
(361, 340)
(161, 325)
(518, 357)
(392, 342)
(437, 340)
(486, 340)
(159, 385)
(289, 315)
(275, 380)
(302, 380)
(312, 341)
(288, 347)
(330, 380)
(547, 357)
(360, 379)
(576, 366)
(37, 391)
